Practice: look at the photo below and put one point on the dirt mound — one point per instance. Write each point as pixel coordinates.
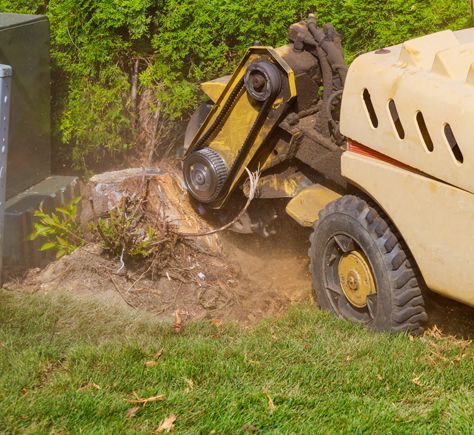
(222, 276)
(250, 280)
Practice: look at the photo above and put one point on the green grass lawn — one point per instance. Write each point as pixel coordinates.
(67, 366)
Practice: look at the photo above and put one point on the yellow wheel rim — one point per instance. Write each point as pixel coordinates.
(357, 280)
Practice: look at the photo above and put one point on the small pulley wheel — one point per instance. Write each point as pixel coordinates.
(205, 173)
(262, 80)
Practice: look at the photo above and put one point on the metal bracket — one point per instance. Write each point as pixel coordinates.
(5, 89)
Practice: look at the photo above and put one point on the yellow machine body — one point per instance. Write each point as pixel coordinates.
(411, 107)
(304, 208)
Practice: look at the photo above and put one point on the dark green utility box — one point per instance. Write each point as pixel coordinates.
(24, 45)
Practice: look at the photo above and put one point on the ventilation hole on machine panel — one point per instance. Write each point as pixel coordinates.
(370, 108)
(453, 143)
(425, 134)
(396, 119)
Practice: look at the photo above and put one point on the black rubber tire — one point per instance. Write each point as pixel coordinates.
(398, 305)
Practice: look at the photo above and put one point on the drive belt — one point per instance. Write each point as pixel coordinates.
(249, 140)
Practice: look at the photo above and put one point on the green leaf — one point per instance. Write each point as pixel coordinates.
(47, 246)
(61, 241)
(32, 236)
(63, 211)
(48, 220)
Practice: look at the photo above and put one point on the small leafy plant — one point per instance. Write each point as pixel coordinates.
(60, 230)
(126, 233)
(140, 241)
(122, 232)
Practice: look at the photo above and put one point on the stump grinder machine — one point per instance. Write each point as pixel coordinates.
(376, 158)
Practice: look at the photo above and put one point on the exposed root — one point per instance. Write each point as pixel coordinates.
(254, 178)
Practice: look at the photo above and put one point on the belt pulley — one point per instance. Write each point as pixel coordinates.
(206, 173)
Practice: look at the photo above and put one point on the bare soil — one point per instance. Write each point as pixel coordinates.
(253, 278)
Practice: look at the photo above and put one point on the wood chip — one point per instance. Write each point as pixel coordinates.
(178, 322)
(167, 425)
(159, 353)
(143, 401)
(271, 405)
(133, 411)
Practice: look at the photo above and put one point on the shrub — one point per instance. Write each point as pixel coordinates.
(176, 44)
(95, 122)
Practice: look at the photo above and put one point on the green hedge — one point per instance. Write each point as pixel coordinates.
(178, 43)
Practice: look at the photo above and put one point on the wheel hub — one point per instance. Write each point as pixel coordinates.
(356, 278)
(200, 176)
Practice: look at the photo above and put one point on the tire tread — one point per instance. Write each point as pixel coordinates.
(408, 310)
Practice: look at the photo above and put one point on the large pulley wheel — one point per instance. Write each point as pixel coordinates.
(262, 80)
(362, 270)
(205, 173)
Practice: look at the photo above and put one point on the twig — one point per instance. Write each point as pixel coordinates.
(254, 178)
(140, 277)
(144, 401)
(70, 37)
(134, 90)
(151, 143)
(120, 293)
(197, 248)
(159, 242)
(145, 188)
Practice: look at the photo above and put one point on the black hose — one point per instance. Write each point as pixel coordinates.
(329, 103)
(331, 45)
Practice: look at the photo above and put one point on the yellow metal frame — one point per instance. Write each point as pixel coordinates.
(304, 208)
(214, 88)
(234, 130)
